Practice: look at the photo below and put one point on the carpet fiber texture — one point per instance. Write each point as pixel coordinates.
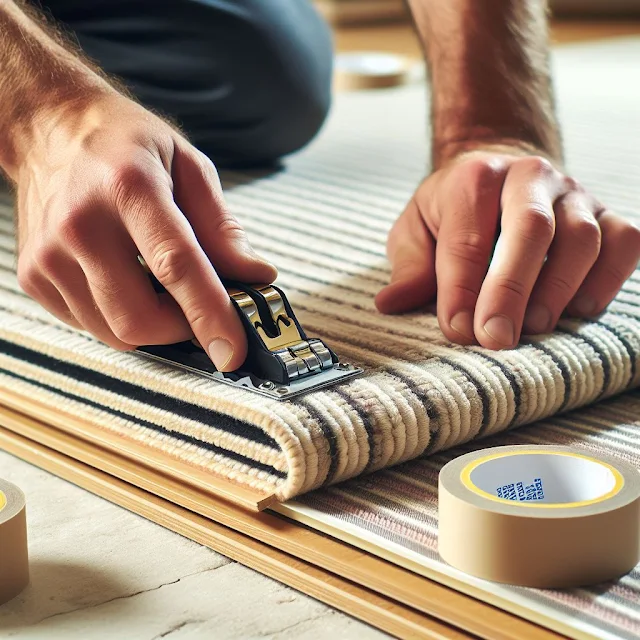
(323, 221)
(400, 506)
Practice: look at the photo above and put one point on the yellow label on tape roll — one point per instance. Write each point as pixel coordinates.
(14, 558)
(541, 516)
(534, 498)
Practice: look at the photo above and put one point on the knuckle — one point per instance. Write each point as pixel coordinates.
(128, 329)
(480, 174)
(616, 274)
(228, 226)
(571, 184)
(27, 274)
(617, 270)
(207, 168)
(129, 173)
(200, 166)
(404, 270)
(560, 285)
(572, 201)
(587, 235)
(537, 165)
(75, 227)
(538, 224)
(47, 256)
(170, 263)
(466, 291)
(632, 234)
(127, 181)
(197, 316)
(208, 317)
(470, 246)
(512, 286)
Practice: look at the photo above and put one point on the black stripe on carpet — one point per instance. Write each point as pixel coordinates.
(140, 394)
(150, 425)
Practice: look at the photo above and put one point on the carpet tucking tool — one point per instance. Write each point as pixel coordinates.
(281, 363)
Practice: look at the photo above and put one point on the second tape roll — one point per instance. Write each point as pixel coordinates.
(14, 557)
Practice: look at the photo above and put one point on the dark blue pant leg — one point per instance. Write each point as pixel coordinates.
(247, 80)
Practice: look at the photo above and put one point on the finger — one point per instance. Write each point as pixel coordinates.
(135, 313)
(574, 251)
(36, 286)
(198, 193)
(168, 245)
(527, 230)
(465, 241)
(411, 250)
(69, 279)
(618, 259)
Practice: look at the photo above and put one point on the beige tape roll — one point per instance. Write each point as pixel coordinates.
(369, 70)
(14, 558)
(539, 516)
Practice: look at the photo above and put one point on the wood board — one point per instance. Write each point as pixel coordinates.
(174, 505)
(366, 605)
(403, 557)
(146, 457)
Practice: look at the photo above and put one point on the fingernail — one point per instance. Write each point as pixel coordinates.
(220, 352)
(462, 323)
(500, 328)
(584, 305)
(537, 319)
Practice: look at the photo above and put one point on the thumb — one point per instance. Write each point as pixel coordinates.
(411, 250)
(198, 193)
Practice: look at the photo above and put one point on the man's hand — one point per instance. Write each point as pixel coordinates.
(100, 182)
(558, 249)
(497, 153)
(108, 183)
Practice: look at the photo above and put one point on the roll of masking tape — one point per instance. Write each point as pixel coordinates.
(14, 559)
(370, 70)
(539, 516)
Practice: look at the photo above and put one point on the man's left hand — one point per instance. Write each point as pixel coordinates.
(559, 249)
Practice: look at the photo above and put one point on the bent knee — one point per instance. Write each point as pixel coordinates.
(292, 121)
(288, 85)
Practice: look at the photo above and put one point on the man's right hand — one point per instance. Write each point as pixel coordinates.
(106, 182)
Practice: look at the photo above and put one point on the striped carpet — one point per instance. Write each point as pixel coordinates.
(323, 221)
(398, 509)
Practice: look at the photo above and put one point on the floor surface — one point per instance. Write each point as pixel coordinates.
(101, 572)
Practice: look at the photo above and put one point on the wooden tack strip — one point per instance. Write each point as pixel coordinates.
(206, 480)
(342, 559)
(384, 613)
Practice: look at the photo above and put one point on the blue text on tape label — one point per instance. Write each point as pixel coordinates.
(522, 492)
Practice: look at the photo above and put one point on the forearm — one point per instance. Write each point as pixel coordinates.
(40, 79)
(490, 81)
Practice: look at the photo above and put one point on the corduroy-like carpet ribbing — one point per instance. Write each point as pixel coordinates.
(400, 506)
(323, 221)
